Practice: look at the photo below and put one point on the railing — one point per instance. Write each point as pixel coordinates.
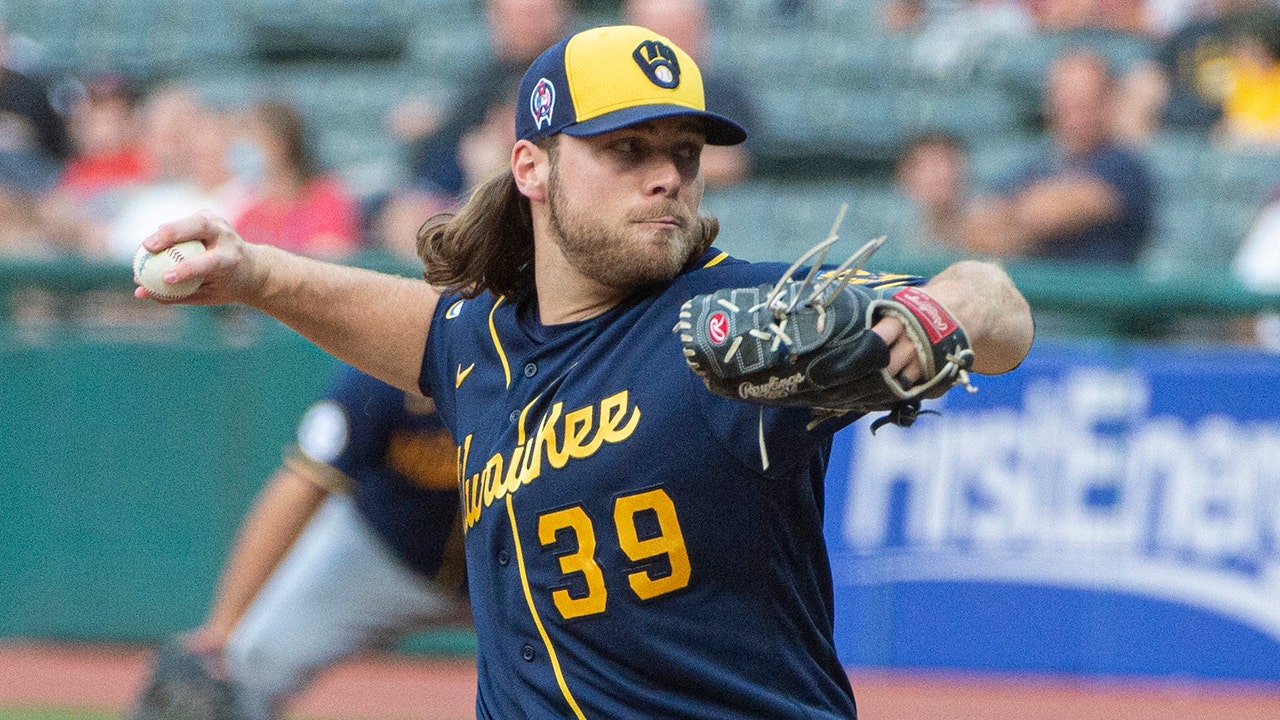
(1085, 290)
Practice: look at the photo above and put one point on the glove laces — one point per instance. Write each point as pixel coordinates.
(820, 295)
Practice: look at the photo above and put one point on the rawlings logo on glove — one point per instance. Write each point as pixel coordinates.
(774, 389)
(802, 343)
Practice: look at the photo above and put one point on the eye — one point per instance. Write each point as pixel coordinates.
(626, 146)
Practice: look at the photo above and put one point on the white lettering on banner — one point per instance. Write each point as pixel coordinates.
(1080, 486)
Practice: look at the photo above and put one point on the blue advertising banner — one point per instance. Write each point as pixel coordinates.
(1104, 509)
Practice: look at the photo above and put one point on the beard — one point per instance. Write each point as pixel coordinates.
(632, 257)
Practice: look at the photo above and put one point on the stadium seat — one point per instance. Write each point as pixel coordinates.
(449, 45)
(997, 158)
(867, 58)
(1230, 221)
(746, 219)
(1179, 162)
(972, 112)
(771, 56)
(1022, 62)
(370, 29)
(791, 116)
(1246, 175)
(1183, 240)
(866, 122)
(143, 38)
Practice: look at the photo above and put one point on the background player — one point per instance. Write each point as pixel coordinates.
(353, 543)
(627, 554)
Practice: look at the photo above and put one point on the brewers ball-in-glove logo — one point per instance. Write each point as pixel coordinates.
(659, 63)
(542, 102)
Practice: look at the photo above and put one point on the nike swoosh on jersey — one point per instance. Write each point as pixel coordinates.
(462, 374)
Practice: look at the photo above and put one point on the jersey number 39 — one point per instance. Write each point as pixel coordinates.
(647, 582)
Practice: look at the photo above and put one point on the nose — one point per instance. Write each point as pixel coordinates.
(663, 175)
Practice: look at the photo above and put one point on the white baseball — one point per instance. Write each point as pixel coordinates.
(149, 269)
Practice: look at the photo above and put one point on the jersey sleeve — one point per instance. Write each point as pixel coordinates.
(345, 430)
(434, 380)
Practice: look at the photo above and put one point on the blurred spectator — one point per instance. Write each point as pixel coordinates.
(1090, 200)
(1257, 265)
(1164, 17)
(1116, 15)
(1251, 105)
(450, 153)
(932, 175)
(912, 16)
(685, 23)
(187, 145)
(1126, 16)
(28, 122)
(25, 227)
(33, 145)
(295, 206)
(954, 37)
(105, 133)
(978, 18)
(519, 30)
(394, 220)
(485, 149)
(109, 161)
(905, 16)
(1185, 86)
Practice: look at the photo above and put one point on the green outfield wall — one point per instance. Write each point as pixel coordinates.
(126, 468)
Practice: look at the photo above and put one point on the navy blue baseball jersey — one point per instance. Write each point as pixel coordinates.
(391, 451)
(628, 554)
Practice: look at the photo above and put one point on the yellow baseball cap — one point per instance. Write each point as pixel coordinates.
(610, 77)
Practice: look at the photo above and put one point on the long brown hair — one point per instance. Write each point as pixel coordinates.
(286, 125)
(488, 243)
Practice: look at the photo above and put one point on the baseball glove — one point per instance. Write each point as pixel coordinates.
(808, 343)
(183, 687)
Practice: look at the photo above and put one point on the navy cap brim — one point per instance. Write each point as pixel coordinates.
(720, 130)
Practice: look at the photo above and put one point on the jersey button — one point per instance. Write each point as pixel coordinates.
(514, 416)
(527, 653)
(503, 557)
(530, 370)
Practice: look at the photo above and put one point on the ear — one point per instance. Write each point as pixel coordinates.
(531, 168)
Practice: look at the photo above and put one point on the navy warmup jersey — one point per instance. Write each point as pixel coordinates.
(390, 450)
(628, 556)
